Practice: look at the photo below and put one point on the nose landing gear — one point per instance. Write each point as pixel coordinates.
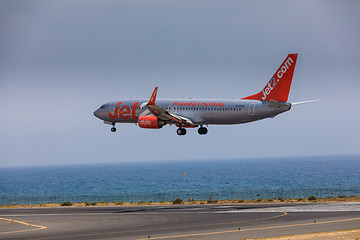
(202, 130)
(113, 129)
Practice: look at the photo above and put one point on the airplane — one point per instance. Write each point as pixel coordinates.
(192, 113)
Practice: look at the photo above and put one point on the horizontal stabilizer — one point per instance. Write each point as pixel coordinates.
(277, 104)
(310, 101)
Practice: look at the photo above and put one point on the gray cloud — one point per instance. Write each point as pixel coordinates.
(61, 60)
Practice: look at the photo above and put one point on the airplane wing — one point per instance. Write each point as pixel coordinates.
(166, 115)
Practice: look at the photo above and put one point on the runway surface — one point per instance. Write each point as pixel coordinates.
(178, 221)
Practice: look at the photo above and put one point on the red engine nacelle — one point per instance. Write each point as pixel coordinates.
(150, 122)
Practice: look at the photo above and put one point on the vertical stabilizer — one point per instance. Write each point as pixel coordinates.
(278, 87)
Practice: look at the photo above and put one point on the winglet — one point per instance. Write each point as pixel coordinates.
(153, 97)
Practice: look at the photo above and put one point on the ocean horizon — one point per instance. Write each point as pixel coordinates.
(190, 176)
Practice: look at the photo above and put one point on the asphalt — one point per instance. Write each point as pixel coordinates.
(178, 221)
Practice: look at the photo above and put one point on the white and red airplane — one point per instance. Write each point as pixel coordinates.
(192, 113)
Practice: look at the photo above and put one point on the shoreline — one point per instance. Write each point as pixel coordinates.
(178, 202)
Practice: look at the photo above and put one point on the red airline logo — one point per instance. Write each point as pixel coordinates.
(273, 81)
(124, 112)
(279, 85)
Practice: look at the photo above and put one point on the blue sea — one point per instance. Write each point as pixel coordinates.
(220, 175)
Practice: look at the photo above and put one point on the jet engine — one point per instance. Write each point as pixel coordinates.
(151, 122)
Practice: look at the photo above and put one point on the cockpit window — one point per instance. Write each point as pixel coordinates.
(103, 106)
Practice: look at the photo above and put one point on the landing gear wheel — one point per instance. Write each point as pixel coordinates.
(113, 129)
(181, 131)
(202, 130)
(178, 131)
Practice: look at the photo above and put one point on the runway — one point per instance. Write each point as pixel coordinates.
(178, 221)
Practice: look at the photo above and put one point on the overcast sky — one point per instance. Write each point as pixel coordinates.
(61, 60)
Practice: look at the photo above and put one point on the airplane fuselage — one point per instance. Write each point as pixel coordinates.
(190, 113)
(200, 111)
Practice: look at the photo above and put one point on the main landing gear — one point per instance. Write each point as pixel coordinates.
(181, 131)
(202, 130)
(113, 129)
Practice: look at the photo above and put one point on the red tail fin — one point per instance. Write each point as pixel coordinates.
(279, 85)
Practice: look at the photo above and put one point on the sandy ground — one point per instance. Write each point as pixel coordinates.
(234, 201)
(338, 235)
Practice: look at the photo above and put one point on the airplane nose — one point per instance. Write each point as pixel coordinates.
(97, 113)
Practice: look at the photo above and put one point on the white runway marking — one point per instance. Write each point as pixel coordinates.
(319, 207)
